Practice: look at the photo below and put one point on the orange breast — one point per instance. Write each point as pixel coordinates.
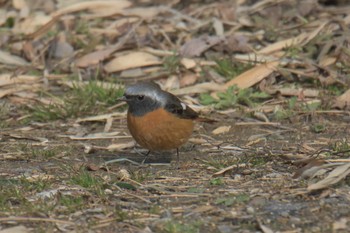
(160, 130)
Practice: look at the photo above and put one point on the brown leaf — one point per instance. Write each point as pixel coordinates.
(9, 59)
(221, 130)
(254, 75)
(131, 60)
(96, 7)
(343, 101)
(338, 174)
(197, 46)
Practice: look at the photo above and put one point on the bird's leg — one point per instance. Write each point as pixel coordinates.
(178, 158)
(146, 156)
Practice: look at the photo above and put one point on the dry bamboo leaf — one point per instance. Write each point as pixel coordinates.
(30, 24)
(19, 4)
(97, 7)
(105, 85)
(102, 117)
(343, 101)
(301, 40)
(333, 177)
(341, 224)
(218, 27)
(279, 45)
(199, 88)
(131, 60)
(142, 12)
(8, 79)
(253, 76)
(327, 61)
(188, 79)
(203, 208)
(188, 63)
(290, 91)
(221, 129)
(120, 146)
(94, 58)
(225, 170)
(197, 46)
(108, 124)
(16, 229)
(94, 136)
(9, 59)
(19, 88)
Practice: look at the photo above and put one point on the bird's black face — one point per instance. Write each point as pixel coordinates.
(140, 105)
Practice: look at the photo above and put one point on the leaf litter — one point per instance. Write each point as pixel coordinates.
(274, 74)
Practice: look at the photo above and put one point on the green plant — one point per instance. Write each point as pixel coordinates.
(216, 181)
(229, 201)
(81, 100)
(229, 69)
(173, 226)
(232, 97)
(318, 128)
(172, 63)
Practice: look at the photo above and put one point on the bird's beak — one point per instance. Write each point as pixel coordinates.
(123, 98)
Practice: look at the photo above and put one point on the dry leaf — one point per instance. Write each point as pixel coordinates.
(338, 174)
(9, 59)
(254, 75)
(343, 101)
(94, 136)
(121, 146)
(94, 58)
(131, 60)
(221, 129)
(188, 63)
(196, 47)
(199, 88)
(218, 27)
(16, 229)
(225, 170)
(341, 224)
(8, 79)
(97, 7)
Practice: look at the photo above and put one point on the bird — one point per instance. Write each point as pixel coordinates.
(157, 119)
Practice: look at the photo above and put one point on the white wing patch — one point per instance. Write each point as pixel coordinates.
(184, 106)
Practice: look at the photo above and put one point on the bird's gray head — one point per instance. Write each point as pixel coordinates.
(144, 97)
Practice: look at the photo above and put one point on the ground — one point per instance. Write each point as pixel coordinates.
(274, 76)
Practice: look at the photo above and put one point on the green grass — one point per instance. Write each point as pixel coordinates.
(173, 226)
(229, 69)
(89, 181)
(229, 201)
(232, 97)
(172, 63)
(216, 181)
(79, 101)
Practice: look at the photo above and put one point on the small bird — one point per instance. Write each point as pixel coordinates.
(157, 119)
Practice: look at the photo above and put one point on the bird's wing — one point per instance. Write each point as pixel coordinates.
(175, 106)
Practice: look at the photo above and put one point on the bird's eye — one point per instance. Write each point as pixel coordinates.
(140, 97)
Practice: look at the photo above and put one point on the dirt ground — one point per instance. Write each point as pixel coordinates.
(55, 178)
(273, 74)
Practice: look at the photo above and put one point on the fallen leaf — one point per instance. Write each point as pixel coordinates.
(342, 101)
(120, 146)
(97, 7)
(8, 79)
(197, 46)
(341, 224)
(254, 75)
(16, 229)
(221, 129)
(9, 59)
(338, 174)
(131, 60)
